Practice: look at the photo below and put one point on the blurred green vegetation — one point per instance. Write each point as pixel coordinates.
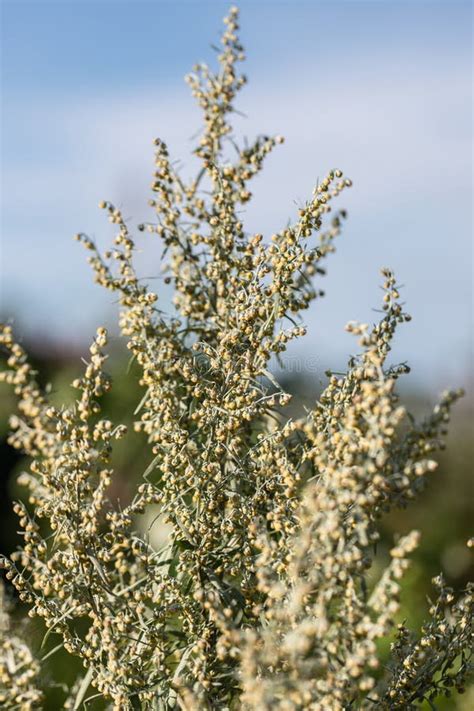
(444, 514)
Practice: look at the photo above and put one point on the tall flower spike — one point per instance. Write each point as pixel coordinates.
(262, 594)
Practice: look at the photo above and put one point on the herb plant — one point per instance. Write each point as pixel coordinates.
(263, 596)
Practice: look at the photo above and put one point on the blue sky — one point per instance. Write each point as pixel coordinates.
(380, 89)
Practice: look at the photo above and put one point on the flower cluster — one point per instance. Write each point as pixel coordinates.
(19, 671)
(261, 597)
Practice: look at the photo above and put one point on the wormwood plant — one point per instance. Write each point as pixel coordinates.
(263, 595)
